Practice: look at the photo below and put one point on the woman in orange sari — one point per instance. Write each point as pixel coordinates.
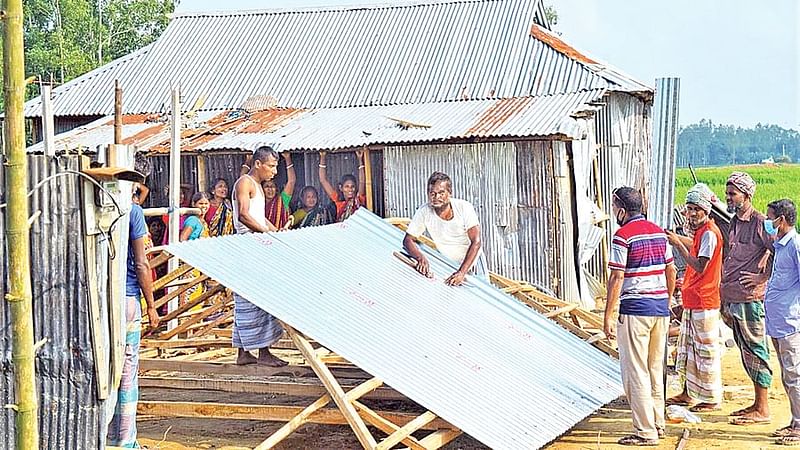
(277, 208)
(219, 216)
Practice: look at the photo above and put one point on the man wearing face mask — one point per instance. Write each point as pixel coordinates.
(782, 305)
(745, 270)
(642, 282)
(699, 362)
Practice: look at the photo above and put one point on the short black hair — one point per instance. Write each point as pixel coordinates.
(784, 207)
(628, 199)
(264, 152)
(438, 177)
(348, 177)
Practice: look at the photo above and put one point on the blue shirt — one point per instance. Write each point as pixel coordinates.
(137, 229)
(782, 300)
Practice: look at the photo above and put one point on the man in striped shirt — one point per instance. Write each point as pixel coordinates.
(642, 282)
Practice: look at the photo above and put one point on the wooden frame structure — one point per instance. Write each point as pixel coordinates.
(337, 402)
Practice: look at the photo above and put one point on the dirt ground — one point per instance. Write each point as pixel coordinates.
(599, 431)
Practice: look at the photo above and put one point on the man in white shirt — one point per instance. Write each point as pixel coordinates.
(453, 226)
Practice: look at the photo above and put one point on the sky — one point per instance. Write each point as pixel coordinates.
(737, 59)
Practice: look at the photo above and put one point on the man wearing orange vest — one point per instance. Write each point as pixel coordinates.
(699, 362)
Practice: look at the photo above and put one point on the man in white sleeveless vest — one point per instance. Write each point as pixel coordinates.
(254, 328)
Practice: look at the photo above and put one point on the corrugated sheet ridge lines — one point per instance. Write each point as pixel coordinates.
(494, 117)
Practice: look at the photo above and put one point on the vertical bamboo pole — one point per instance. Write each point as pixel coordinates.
(17, 231)
(368, 179)
(117, 116)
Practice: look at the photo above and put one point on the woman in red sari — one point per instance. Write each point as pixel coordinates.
(350, 199)
(219, 216)
(277, 208)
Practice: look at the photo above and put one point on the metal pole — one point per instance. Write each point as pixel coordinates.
(48, 122)
(174, 189)
(17, 232)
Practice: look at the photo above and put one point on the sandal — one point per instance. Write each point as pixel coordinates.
(783, 432)
(637, 441)
(741, 412)
(673, 401)
(791, 440)
(742, 420)
(705, 407)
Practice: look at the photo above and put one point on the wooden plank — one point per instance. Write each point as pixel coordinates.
(159, 260)
(176, 292)
(228, 316)
(185, 343)
(363, 435)
(439, 438)
(99, 332)
(368, 179)
(218, 368)
(326, 416)
(174, 275)
(188, 305)
(295, 423)
(406, 430)
(379, 421)
(560, 311)
(297, 388)
(183, 326)
(363, 389)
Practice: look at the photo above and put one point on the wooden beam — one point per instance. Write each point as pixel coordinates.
(380, 422)
(365, 438)
(174, 275)
(363, 389)
(228, 316)
(439, 438)
(406, 430)
(292, 425)
(176, 292)
(560, 311)
(186, 324)
(218, 368)
(368, 179)
(326, 416)
(298, 388)
(185, 343)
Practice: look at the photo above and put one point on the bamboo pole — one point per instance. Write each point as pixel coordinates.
(174, 189)
(17, 231)
(368, 179)
(117, 117)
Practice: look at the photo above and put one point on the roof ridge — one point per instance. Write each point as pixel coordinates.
(331, 8)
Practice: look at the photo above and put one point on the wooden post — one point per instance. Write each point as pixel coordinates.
(17, 233)
(117, 113)
(174, 189)
(202, 173)
(368, 179)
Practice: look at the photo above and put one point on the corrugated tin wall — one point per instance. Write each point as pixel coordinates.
(514, 188)
(538, 235)
(623, 128)
(70, 413)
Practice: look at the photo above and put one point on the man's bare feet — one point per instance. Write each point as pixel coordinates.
(244, 358)
(265, 358)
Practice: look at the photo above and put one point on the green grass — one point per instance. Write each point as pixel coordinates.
(772, 182)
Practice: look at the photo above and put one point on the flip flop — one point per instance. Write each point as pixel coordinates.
(671, 402)
(783, 432)
(790, 440)
(741, 412)
(704, 408)
(741, 420)
(637, 441)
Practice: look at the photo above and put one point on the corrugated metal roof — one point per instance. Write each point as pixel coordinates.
(339, 57)
(472, 355)
(338, 128)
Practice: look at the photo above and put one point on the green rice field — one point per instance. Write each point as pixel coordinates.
(773, 182)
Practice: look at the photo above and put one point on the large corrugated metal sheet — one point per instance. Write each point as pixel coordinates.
(512, 378)
(70, 413)
(665, 141)
(341, 56)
